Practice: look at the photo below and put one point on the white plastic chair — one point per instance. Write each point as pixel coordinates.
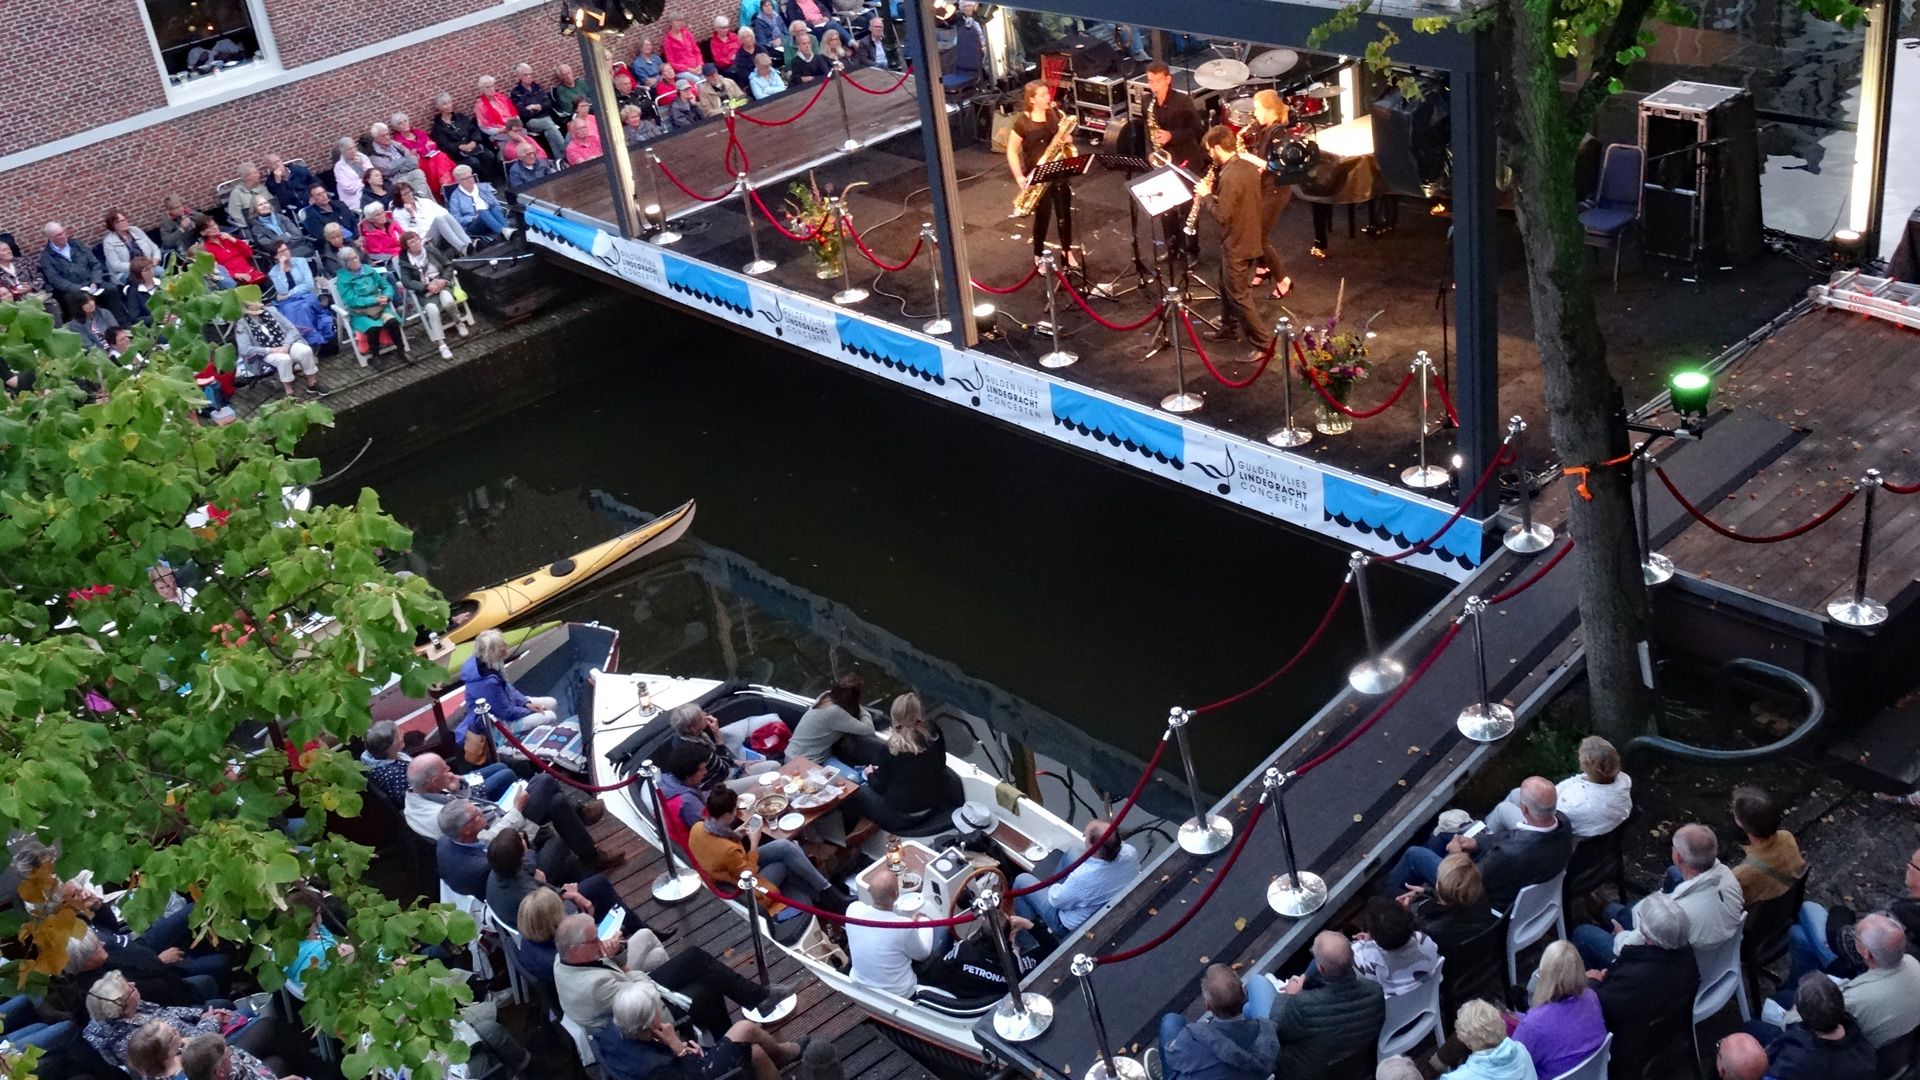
(1412, 1016)
(1720, 980)
(477, 909)
(510, 944)
(1536, 908)
(1595, 1067)
(581, 1041)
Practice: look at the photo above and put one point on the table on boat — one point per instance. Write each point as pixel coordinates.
(840, 787)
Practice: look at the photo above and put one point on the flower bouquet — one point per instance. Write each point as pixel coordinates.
(1333, 359)
(811, 213)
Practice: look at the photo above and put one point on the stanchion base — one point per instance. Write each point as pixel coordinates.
(760, 266)
(1294, 895)
(1524, 541)
(1028, 1022)
(849, 296)
(1865, 611)
(773, 1010)
(664, 237)
(1182, 403)
(1424, 476)
(1486, 723)
(937, 327)
(1290, 436)
(1059, 358)
(850, 145)
(1124, 1068)
(1199, 837)
(1376, 676)
(1658, 569)
(677, 886)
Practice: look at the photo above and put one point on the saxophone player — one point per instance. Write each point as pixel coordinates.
(1033, 131)
(1235, 187)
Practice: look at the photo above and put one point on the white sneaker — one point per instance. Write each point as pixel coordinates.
(462, 327)
(445, 353)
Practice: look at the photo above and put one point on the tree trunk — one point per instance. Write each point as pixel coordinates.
(1585, 406)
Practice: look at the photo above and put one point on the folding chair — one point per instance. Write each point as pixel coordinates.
(1595, 1067)
(1720, 981)
(1536, 909)
(1413, 1016)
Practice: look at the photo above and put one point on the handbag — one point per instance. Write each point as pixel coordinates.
(459, 294)
(476, 749)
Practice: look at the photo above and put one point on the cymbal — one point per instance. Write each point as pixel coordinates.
(1221, 74)
(1273, 62)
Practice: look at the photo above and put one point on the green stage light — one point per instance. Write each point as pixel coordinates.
(1690, 391)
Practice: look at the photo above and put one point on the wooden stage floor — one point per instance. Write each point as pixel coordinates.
(704, 921)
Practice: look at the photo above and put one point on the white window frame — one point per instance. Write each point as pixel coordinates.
(262, 70)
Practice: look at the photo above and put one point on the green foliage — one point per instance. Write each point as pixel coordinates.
(95, 490)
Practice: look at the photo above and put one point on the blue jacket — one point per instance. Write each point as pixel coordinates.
(1508, 1061)
(462, 205)
(1243, 1048)
(462, 866)
(485, 684)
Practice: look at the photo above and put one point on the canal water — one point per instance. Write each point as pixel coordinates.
(845, 526)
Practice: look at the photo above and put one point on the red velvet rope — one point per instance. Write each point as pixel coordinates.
(1452, 417)
(795, 116)
(1246, 831)
(1743, 538)
(875, 259)
(1898, 490)
(1313, 378)
(555, 773)
(732, 892)
(1113, 822)
(1501, 598)
(1031, 274)
(1318, 631)
(855, 83)
(733, 144)
(775, 222)
(1324, 756)
(1214, 371)
(1504, 456)
(691, 194)
(1095, 316)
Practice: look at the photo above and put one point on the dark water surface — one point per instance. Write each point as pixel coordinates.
(845, 525)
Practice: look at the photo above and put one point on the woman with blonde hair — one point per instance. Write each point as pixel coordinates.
(1483, 1030)
(1456, 911)
(912, 784)
(539, 918)
(1564, 1027)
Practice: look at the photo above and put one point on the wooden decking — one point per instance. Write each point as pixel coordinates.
(711, 925)
(1850, 384)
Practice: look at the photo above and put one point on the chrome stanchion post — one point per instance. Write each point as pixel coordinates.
(1378, 673)
(1023, 1015)
(1179, 401)
(1297, 892)
(1202, 834)
(1485, 720)
(1050, 269)
(1654, 567)
(1423, 475)
(939, 325)
(848, 294)
(839, 75)
(1289, 433)
(1860, 610)
(677, 881)
(1529, 536)
(759, 265)
(658, 210)
(1108, 1065)
(769, 1011)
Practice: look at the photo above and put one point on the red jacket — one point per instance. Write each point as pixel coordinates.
(235, 256)
(381, 241)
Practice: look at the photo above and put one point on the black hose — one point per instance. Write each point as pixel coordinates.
(1816, 712)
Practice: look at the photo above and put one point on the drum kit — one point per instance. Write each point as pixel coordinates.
(1308, 106)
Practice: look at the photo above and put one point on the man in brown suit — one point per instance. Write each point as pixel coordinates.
(1237, 207)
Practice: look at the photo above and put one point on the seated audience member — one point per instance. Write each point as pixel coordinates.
(511, 875)
(230, 253)
(264, 334)
(583, 134)
(123, 241)
(91, 322)
(374, 189)
(153, 1053)
(716, 90)
(680, 47)
(379, 234)
(475, 206)
(1493, 1055)
(837, 731)
(161, 977)
(769, 27)
(530, 168)
(120, 344)
(1884, 1000)
(728, 844)
(883, 957)
(1564, 1027)
(296, 297)
(1646, 996)
(912, 782)
(587, 977)
(396, 162)
(1596, 800)
(349, 165)
(624, 90)
(811, 19)
(646, 61)
(1826, 1044)
(727, 757)
(1532, 851)
(267, 227)
(742, 64)
(1455, 911)
(637, 126)
(437, 166)
(70, 271)
(1772, 866)
(1222, 1044)
(176, 232)
(431, 784)
(871, 52)
(1391, 952)
(461, 852)
(538, 920)
(460, 139)
(423, 276)
(216, 384)
(665, 89)
(1813, 947)
(1092, 885)
(683, 788)
(565, 94)
(20, 281)
(1739, 1057)
(288, 183)
(415, 211)
(536, 111)
(142, 282)
(723, 44)
(517, 137)
(334, 246)
(834, 52)
(208, 1056)
(1707, 892)
(1327, 1018)
(117, 1012)
(492, 109)
(805, 63)
(970, 969)
(641, 1044)
(241, 196)
(485, 678)
(321, 212)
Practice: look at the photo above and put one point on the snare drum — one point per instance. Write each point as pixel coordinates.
(1305, 105)
(1238, 113)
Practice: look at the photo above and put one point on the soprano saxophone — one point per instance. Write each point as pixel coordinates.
(1028, 197)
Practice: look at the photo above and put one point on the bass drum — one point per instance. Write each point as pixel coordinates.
(1124, 137)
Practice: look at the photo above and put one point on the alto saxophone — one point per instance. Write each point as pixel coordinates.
(1028, 197)
(1156, 154)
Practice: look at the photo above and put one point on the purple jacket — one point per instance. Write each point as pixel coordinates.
(1561, 1034)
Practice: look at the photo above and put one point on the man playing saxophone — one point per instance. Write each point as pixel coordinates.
(1236, 206)
(1034, 132)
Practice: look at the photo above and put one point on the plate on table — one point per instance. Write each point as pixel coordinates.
(768, 779)
(909, 903)
(811, 800)
(771, 805)
(792, 822)
(747, 800)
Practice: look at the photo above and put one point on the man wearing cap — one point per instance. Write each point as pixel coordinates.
(1092, 885)
(716, 91)
(685, 110)
(264, 334)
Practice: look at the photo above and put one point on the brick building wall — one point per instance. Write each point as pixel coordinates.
(295, 116)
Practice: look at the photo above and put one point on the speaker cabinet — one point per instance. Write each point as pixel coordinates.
(1701, 201)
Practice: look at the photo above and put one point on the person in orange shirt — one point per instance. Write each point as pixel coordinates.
(728, 842)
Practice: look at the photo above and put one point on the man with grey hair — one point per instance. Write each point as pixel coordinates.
(431, 783)
(642, 1041)
(1532, 850)
(400, 164)
(386, 766)
(727, 756)
(251, 185)
(461, 852)
(1327, 1019)
(587, 978)
(1223, 1044)
(536, 109)
(1708, 892)
(1885, 999)
(1646, 996)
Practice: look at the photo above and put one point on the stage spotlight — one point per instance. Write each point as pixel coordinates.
(1848, 245)
(983, 310)
(1690, 391)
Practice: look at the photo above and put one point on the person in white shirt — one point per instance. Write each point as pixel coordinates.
(1391, 951)
(431, 783)
(1596, 800)
(1708, 892)
(883, 957)
(415, 211)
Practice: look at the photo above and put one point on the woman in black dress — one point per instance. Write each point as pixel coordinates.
(1033, 130)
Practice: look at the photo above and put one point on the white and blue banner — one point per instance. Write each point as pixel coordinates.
(1352, 509)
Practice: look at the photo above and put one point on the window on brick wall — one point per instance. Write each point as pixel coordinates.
(198, 41)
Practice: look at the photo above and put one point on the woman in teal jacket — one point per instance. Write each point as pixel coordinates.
(369, 298)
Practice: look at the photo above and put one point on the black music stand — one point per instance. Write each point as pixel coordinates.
(1064, 170)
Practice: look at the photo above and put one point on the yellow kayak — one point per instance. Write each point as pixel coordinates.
(484, 609)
